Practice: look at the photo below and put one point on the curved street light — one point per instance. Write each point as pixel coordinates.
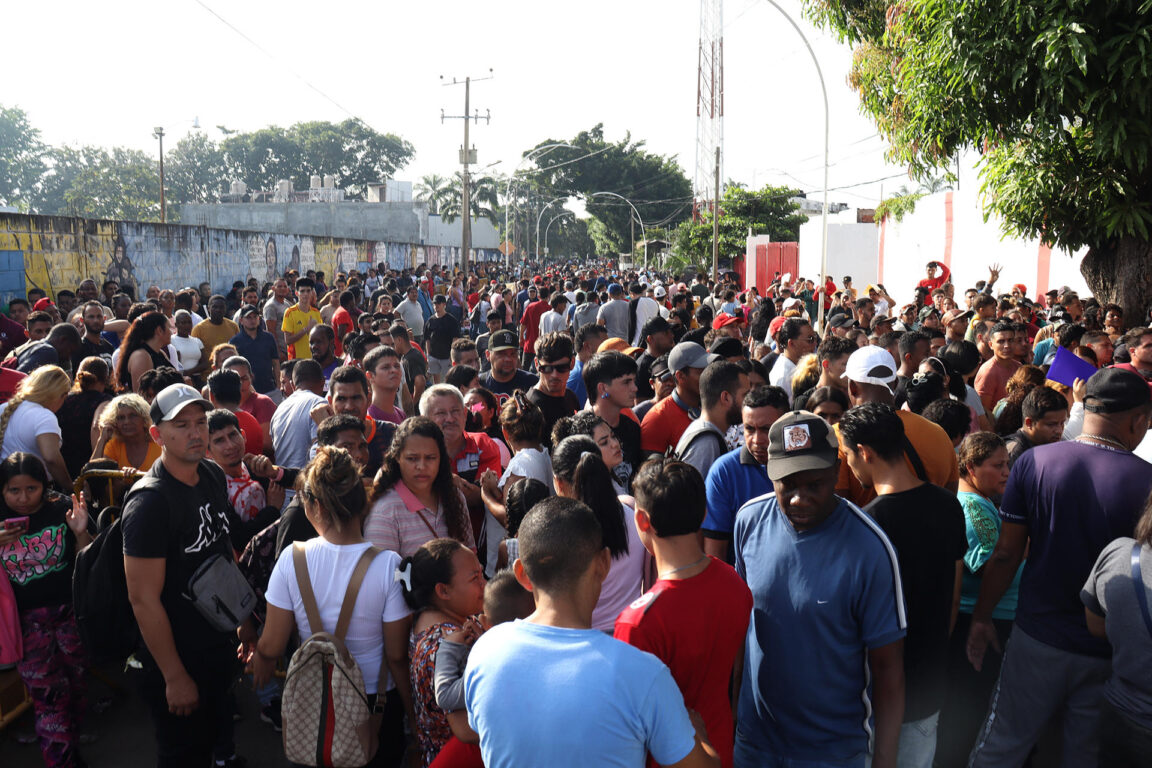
(508, 187)
(540, 216)
(823, 277)
(638, 218)
(549, 226)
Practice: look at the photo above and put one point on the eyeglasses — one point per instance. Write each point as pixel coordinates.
(558, 368)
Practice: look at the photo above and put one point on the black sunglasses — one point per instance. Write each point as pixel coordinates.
(562, 368)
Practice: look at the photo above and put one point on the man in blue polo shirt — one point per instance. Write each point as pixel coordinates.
(824, 652)
(739, 475)
(259, 349)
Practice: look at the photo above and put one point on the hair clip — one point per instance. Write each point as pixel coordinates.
(404, 575)
(521, 403)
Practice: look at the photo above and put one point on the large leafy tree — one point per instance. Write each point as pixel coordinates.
(121, 184)
(654, 183)
(767, 211)
(22, 158)
(194, 172)
(351, 151)
(433, 189)
(1055, 94)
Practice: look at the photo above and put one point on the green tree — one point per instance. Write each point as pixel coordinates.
(433, 189)
(767, 211)
(1055, 94)
(655, 184)
(351, 151)
(194, 172)
(483, 199)
(22, 158)
(121, 184)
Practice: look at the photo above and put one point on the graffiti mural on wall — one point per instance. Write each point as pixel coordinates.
(53, 253)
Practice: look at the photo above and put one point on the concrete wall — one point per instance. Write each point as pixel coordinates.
(53, 252)
(949, 227)
(851, 248)
(394, 222)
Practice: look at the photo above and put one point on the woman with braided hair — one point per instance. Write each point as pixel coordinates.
(28, 421)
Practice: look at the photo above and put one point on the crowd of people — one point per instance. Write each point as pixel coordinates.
(596, 516)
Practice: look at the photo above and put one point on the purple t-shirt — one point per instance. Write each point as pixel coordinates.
(1075, 497)
(395, 417)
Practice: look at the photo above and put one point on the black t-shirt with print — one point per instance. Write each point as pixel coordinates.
(39, 564)
(186, 525)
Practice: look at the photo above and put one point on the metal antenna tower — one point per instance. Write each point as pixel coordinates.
(709, 103)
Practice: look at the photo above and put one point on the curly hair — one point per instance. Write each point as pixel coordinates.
(455, 512)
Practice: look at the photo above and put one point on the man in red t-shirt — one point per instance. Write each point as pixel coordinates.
(695, 617)
(342, 321)
(932, 282)
(992, 378)
(531, 327)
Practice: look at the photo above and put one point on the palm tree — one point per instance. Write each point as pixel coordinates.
(484, 200)
(433, 189)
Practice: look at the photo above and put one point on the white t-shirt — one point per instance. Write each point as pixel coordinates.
(646, 309)
(528, 462)
(330, 567)
(29, 420)
(189, 351)
(781, 374)
(293, 430)
(623, 583)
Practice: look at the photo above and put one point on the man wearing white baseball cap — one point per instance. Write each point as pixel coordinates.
(871, 374)
(176, 518)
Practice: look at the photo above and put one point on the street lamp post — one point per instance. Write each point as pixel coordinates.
(159, 134)
(557, 216)
(823, 277)
(539, 216)
(508, 189)
(638, 218)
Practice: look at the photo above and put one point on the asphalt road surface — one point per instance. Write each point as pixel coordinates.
(123, 731)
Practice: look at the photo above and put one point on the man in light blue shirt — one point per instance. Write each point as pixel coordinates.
(578, 696)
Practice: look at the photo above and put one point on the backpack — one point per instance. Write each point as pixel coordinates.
(100, 593)
(327, 718)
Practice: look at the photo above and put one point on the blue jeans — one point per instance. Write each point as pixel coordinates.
(745, 755)
(918, 743)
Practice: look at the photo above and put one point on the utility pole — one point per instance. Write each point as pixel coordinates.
(159, 134)
(467, 157)
(716, 222)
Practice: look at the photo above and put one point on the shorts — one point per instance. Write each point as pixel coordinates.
(438, 366)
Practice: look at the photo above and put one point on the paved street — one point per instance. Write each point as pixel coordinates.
(124, 733)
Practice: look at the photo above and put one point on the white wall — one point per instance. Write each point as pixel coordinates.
(851, 248)
(921, 237)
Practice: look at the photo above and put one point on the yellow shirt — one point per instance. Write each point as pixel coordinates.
(211, 335)
(296, 320)
(116, 450)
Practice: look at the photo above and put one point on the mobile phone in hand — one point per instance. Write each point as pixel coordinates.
(16, 524)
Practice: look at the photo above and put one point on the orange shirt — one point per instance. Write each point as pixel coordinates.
(663, 425)
(932, 446)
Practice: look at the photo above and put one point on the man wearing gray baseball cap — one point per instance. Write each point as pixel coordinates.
(665, 423)
(176, 518)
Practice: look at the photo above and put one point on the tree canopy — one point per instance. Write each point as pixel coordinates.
(655, 184)
(1055, 94)
(767, 211)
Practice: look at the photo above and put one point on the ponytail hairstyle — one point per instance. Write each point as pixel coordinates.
(577, 461)
(455, 513)
(142, 330)
(332, 481)
(92, 371)
(43, 386)
(419, 573)
(521, 496)
(522, 420)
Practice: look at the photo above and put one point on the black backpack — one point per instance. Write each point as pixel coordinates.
(100, 594)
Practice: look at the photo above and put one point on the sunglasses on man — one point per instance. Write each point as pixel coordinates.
(547, 368)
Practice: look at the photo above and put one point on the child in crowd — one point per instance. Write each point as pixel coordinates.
(444, 585)
(504, 600)
(523, 426)
(520, 497)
